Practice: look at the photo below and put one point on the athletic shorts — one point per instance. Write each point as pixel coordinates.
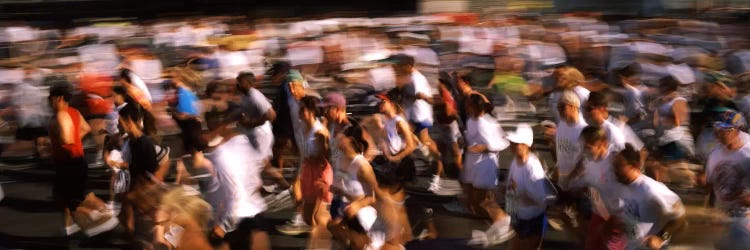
(599, 237)
(673, 152)
(480, 176)
(531, 227)
(311, 174)
(240, 237)
(191, 133)
(419, 126)
(70, 182)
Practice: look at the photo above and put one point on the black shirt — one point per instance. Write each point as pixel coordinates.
(143, 158)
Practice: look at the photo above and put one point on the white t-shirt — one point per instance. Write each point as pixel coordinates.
(633, 102)
(421, 110)
(629, 136)
(484, 131)
(526, 180)
(646, 207)
(600, 177)
(615, 136)
(554, 99)
(729, 172)
(255, 104)
(568, 146)
(240, 175)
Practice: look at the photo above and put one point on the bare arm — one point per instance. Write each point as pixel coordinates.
(65, 125)
(426, 98)
(406, 134)
(321, 139)
(367, 176)
(680, 110)
(84, 128)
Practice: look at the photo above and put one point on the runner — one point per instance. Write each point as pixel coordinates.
(652, 213)
(316, 175)
(483, 143)
(356, 191)
(567, 135)
(597, 114)
(526, 192)
(417, 100)
(238, 201)
(727, 167)
(595, 172)
(675, 142)
(67, 129)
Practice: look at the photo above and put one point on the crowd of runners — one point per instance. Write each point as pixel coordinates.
(337, 119)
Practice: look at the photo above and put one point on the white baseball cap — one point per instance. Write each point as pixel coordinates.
(523, 135)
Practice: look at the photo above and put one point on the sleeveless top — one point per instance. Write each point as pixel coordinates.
(310, 148)
(335, 155)
(60, 151)
(394, 140)
(665, 109)
(346, 178)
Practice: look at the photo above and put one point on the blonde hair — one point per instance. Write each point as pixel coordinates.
(568, 77)
(179, 202)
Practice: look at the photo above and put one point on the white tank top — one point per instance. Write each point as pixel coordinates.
(310, 148)
(346, 178)
(394, 140)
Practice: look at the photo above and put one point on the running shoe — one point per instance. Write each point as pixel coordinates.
(497, 234)
(295, 226)
(72, 229)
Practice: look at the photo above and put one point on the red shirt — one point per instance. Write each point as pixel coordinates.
(62, 151)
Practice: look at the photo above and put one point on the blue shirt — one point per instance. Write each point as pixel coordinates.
(187, 102)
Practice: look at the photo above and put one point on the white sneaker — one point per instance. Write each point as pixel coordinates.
(293, 229)
(107, 225)
(556, 224)
(573, 215)
(269, 188)
(500, 232)
(434, 184)
(297, 220)
(72, 229)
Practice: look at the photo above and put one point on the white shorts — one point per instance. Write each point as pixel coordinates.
(481, 176)
(262, 137)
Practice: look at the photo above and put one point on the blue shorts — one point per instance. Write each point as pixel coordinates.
(673, 152)
(419, 126)
(530, 227)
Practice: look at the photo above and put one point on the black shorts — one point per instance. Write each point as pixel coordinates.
(191, 134)
(531, 227)
(30, 133)
(70, 182)
(241, 237)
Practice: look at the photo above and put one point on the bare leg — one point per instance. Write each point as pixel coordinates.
(317, 217)
(260, 240)
(68, 217)
(424, 137)
(526, 243)
(468, 190)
